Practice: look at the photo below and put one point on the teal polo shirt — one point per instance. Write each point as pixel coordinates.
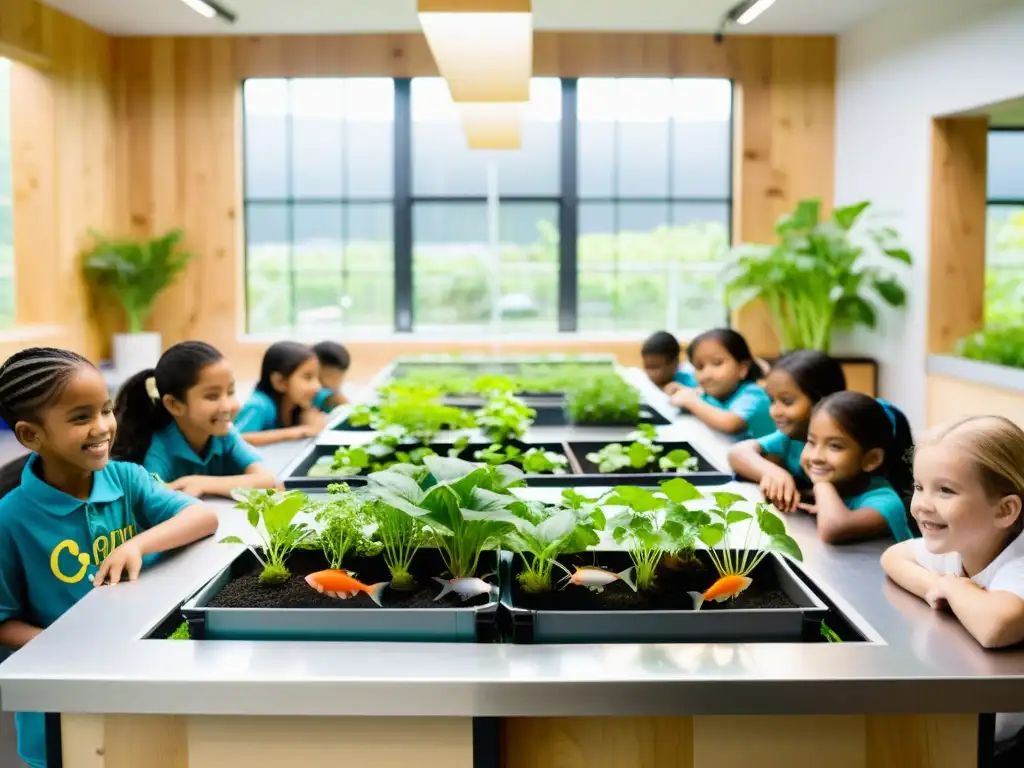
(685, 377)
(320, 401)
(52, 543)
(750, 403)
(882, 497)
(258, 414)
(170, 456)
(787, 449)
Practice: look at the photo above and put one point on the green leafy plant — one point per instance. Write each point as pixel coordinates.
(490, 384)
(678, 460)
(817, 279)
(505, 417)
(280, 534)
(537, 461)
(345, 525)
(615, 456)
(603, 399)
(181, 633)
(543, 533)
(829, 634)
(465, 511)
(653, 524)
(770, 536)
(999, 345)
(135, 272)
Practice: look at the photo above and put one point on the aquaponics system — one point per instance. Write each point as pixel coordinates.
(488, 559)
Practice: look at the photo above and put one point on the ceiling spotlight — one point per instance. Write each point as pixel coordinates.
(211, 9)
(742, 13)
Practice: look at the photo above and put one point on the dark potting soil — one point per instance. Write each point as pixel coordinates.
(669, 592)
(245, 590)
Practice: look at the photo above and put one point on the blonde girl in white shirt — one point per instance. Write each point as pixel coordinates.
(968, 498)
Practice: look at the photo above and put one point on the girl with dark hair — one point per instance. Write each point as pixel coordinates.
(795, 384)
(282, 408)
(176, 420)
(729, 399)
(845, 456)
(71, 519)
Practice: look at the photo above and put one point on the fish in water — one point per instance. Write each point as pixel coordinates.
(342, 585)
(596, 579)
(467, 587)
(723, 589)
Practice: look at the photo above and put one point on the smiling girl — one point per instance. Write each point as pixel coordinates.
(176, 420)
(282, 407)
(71, 519)
(846, 459)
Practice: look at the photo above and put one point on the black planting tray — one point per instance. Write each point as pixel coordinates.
(705, 473)
(296, 476)
(713, 623)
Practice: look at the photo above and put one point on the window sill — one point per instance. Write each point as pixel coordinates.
(462, 336)
(987, 374)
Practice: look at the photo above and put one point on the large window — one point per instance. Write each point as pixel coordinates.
(1004, 261)
(6, 200)
(366, 210)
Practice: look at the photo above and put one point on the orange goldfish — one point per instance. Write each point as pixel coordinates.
(723, 589)
(342, 585)
(596, 579)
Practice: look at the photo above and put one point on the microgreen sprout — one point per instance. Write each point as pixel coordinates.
(603, 399)
(280, 534)
(829, 634)
(345, 525)
(770, 536)
(505, 417)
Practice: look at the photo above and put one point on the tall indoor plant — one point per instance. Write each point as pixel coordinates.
(818, 278)
(134, 272)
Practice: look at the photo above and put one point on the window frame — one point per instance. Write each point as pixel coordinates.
(995, 202)
(403, 201)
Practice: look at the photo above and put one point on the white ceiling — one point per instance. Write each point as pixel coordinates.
(173, 17)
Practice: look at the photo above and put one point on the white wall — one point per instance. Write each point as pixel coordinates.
(914, 61)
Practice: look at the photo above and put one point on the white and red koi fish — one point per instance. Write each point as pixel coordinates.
(725, 588)
(467, 588)
(341, 584)
(596, 579)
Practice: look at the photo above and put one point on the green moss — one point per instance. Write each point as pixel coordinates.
(181, 633)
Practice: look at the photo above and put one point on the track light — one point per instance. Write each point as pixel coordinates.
(742, 13)
(210, 9)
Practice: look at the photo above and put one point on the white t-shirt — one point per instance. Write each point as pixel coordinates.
(1004, 574)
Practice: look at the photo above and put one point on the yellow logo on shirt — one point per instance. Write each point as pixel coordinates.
(101, 547)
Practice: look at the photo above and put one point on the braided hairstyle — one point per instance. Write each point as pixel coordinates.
(139, 417)
(30, 380)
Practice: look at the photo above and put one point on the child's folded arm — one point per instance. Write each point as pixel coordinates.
(838, 524)
(994, 618)
(15, 633)
(901, 565)
(749, 461)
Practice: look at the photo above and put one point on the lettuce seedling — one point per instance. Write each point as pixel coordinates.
(770, 536)
(677, 460)
(491, 384)
(654, 524)
(280, 534)
(542, 534)
(345, 525)
(505, 417)
(615, 456)
(537, 461)
(464, 511)
(496, 453)
(603, 399)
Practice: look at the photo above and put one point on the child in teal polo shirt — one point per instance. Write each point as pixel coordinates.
(70, 519)
(334, 362)
(729, 400)
(176, 420)
(660, 354)
(282, 407)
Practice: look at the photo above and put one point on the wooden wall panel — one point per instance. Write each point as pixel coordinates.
(949, 399)
(25, 31)
(956, 268)
(178, 162)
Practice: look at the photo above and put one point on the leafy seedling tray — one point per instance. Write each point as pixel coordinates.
(777, 607)
(235, 606)
(705, 474)
(297, 477)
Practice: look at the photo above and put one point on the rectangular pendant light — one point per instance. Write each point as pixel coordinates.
(483, 48)
(493, 125)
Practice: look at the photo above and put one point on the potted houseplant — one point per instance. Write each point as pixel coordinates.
(818, 278)
(135, 272)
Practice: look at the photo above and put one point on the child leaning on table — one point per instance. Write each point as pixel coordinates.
(282, 407)
(660, 354)
(71, 519)
(334, 363)
(968, 494)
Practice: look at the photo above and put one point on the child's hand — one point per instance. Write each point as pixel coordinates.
(937, 595)
(779, 488)
(125, 559)
(312, 422)
(672, 387)
(190, 485)
(685, 396)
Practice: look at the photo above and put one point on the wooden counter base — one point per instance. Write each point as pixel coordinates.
(733, 741)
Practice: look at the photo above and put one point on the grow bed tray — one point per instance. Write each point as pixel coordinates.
(298, 477)
(777, 607)
(705, 474)
(234, 606)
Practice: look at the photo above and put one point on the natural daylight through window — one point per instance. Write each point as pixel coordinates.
(6, 200)
(1004, 258)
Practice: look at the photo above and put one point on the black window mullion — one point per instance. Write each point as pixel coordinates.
(568, 212)
(403, 207)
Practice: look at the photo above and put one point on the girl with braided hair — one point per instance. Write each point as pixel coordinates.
(71, 519)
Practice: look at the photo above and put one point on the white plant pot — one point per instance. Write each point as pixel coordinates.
(135, 351)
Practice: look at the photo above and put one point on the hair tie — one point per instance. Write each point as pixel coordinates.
(151, 390)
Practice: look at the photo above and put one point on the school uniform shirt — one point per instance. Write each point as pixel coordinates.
(258, 414)
(320, 401)
(1004, 574)
(171, 457)
(751, 403)
(882, 497)
(686, 377)
(786, 448)
(51, 545)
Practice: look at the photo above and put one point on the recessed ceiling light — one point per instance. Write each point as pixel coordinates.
(752, 10)
(210, 9)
